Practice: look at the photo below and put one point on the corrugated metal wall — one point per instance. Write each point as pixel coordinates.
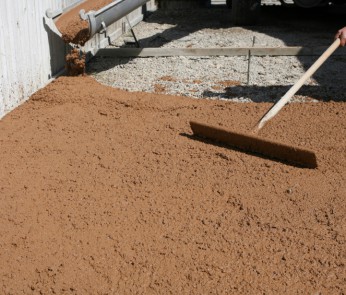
(30, 53)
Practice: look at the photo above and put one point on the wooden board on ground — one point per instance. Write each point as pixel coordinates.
(225, 51)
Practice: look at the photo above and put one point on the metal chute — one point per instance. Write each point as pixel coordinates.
(99, 20)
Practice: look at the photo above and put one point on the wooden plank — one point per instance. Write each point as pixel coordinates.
(293, 51)
(225, 51)
(281, 51)
(164, 52)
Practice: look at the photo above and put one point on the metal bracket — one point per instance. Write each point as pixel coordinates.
(249, 61)
(133, 33)
(83, 15)
(90, 17)
(53, 13)
(104, 28)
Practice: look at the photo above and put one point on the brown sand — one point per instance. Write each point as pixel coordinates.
(75, 63)
(72, 27)
(102, 193)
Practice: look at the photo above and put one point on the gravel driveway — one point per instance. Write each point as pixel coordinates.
(226, 77)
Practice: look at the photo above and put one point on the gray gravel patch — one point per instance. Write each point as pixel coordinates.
(225, 77)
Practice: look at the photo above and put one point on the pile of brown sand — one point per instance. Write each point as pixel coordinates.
(72, 27)
(104, 192)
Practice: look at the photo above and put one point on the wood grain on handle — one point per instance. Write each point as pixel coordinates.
(293, 90)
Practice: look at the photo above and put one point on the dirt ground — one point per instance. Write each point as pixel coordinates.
(104, 191)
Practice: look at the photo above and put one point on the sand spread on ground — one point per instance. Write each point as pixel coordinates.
(104, 191)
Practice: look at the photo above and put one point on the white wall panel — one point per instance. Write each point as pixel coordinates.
(30, 53)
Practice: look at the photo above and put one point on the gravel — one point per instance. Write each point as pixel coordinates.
(226, 77)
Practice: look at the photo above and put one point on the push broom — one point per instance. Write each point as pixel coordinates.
(253, 143)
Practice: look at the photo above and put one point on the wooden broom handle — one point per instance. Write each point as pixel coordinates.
(293, 90)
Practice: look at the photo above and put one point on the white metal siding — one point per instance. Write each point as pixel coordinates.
(30, 53)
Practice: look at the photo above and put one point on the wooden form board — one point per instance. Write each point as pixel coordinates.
(225, 51)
